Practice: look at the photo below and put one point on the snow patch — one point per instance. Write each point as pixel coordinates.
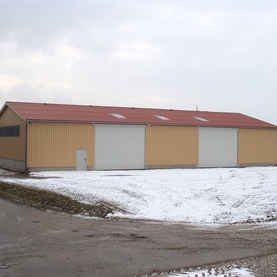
(209, 196)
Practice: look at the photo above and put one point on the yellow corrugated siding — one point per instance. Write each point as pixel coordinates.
(257, 146)
(171, 145)
(53, 144)
(12, 147)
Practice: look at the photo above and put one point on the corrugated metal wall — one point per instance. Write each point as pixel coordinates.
(171, 146)
(12, 147)
(257, 146)
(55, 144)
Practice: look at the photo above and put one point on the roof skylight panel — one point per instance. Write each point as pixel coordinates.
(161, 117)
(117, 115)
(200, 118)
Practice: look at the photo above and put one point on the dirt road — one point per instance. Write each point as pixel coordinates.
(36, 243)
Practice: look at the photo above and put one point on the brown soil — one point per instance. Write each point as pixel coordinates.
(47, 200)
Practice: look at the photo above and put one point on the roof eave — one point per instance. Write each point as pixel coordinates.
(152, 123)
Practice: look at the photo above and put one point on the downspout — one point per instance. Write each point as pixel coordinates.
(26, 170)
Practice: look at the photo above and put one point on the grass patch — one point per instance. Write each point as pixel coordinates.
(47, 200)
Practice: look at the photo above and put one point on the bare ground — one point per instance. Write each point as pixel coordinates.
(37, 243)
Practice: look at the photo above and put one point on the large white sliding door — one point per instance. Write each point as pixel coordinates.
(218, 147)
(119, 146)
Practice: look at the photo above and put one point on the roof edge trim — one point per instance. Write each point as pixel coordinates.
(148, 124)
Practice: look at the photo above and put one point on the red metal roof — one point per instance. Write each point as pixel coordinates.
(102, 114)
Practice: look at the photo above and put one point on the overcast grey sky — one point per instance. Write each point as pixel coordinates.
(220, 54)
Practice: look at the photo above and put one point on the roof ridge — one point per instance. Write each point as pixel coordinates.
(119, 107)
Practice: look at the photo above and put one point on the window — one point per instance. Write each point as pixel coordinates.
(9, 131)
(161, 117)
(200, 118)
(117, 115)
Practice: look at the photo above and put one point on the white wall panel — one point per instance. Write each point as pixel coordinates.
(119, 146)
(218, 147)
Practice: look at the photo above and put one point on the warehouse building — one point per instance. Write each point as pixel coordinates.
(37, 136)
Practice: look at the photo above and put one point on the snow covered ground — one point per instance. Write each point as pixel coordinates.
(206, 196)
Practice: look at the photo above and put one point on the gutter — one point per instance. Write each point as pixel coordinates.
(26, 129)
(149, 124)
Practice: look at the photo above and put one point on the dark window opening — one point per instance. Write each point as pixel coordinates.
(9, 131)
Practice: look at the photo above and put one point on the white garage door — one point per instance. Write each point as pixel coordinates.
(119, 147)
(218, 147)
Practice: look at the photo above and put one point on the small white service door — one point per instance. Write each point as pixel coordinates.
(81, 159)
